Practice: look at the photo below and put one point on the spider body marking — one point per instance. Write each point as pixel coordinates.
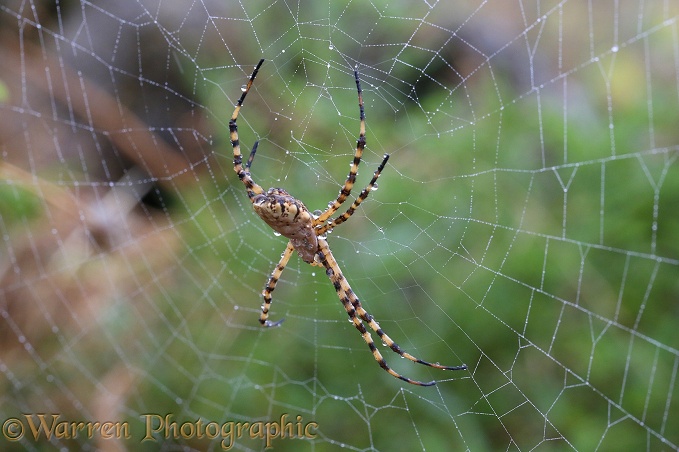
(289, 216)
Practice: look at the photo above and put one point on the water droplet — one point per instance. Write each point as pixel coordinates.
(614, 49)
(276, 233)
(331, 47)
(375, 187)
(244, 88)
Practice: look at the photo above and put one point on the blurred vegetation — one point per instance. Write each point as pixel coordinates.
(562, 302)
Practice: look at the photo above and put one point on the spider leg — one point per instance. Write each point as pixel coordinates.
(243, 174)
(356, 312)
(271, 285)
(351, 178)
(251, 157)
(350, 211)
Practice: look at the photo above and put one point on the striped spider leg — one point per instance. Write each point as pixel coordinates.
(306, 233)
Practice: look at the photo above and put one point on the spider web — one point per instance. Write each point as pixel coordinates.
(525, 224)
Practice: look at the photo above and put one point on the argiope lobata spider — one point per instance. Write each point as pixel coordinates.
(306, 233)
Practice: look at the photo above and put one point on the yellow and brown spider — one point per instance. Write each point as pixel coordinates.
(306, 233)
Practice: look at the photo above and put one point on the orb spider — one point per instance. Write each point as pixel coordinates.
(306, 233)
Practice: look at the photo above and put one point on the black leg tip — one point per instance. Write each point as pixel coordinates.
(270, 324)
(462, 367)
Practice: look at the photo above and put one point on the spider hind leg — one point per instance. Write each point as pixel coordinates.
(356, 313)
(271, 285)
(365, 316)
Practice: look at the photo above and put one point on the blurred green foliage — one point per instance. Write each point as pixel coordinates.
(527, 233)
(500, 268)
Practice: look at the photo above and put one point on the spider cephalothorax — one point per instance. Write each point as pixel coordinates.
(290, 218)
(306, 233)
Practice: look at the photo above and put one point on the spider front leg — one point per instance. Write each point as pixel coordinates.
(362, 197)
(345, 191)
(251, 186)
(356, 313)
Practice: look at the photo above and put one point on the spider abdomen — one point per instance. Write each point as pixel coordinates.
(290, 218)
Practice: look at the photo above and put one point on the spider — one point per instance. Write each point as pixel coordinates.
(306, 233)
